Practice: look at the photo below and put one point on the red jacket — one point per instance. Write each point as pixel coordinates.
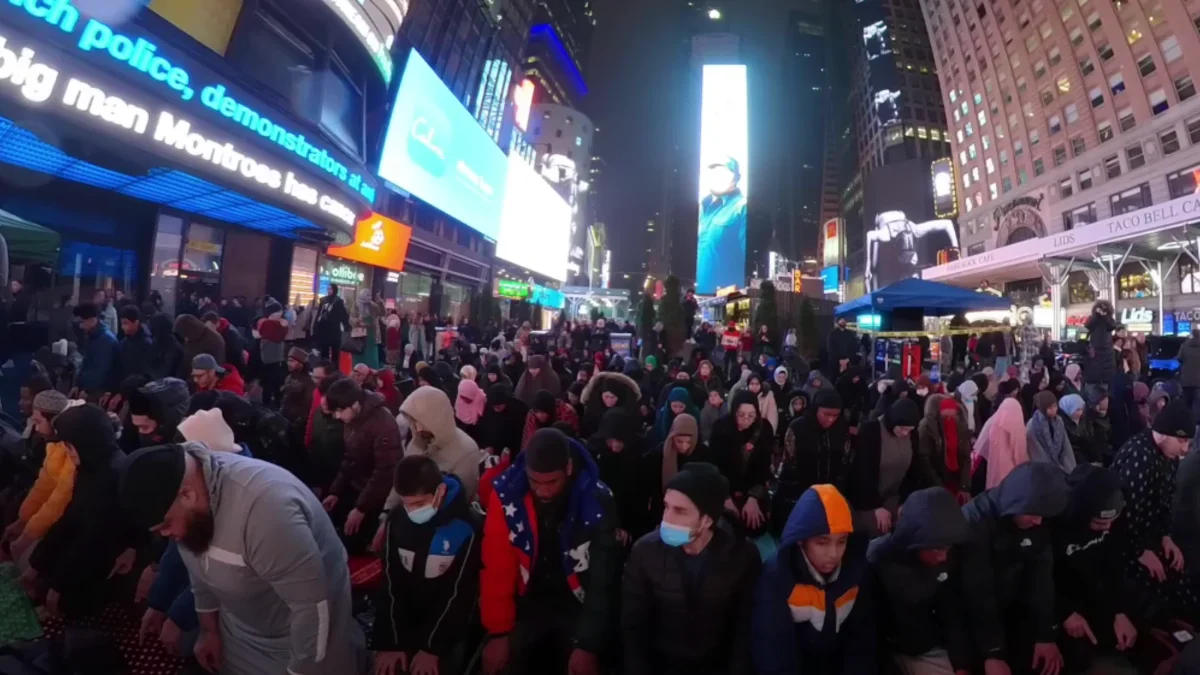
(563, 412)
(231, 381)
(731, 339)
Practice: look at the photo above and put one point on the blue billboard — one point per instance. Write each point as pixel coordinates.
(724, 183)
(436, 150)
(829, 279)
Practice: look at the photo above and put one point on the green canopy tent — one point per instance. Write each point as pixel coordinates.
(28, 242)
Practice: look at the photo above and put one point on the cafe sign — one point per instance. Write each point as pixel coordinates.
(342, 273)
(514, 290)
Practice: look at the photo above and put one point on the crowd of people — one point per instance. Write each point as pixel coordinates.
(540, 503)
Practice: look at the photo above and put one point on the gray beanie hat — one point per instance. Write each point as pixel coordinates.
(51, 401)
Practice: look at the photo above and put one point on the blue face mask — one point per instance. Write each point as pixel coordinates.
(422, 515)
(674, 535)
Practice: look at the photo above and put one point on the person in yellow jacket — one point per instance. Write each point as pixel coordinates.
(51, 493)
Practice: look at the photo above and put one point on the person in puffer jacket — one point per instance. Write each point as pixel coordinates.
(916, 579)
(431, 572)
(811, 614)
(551, 562)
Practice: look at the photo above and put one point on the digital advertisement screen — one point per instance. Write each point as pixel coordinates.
(724, 185)
(535, 223)
(436, 150)
(945, 196)
(829, 279)
(903, 234)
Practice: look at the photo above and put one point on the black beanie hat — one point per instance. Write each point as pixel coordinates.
(903, 413)
(150, 482)
(548, 450)
(702, 483)
(1175, 420)
(544, 401)
(577, 388)
(498, 394)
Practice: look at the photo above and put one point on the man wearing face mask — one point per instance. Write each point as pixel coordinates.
(157, 408)
(1094, 603)
(1148, 464)
(917, 586)
(269, 575)
(1008, 572)
(689, 587)
(551, 563)
(431, 573)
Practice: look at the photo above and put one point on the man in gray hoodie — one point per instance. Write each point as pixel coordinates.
(268, 572)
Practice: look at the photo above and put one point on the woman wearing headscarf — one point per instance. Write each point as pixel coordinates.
(816, 381)
(469, 407)
(387, 389)
(537, 377)
(816, 450)
(895, 390)
(1100, 325)
(743, 443)
(618, 448)
(545, 412)
(766, 401)
(740, 385)
(793, 409)
(605, 392)
(1046, 436)
(1097, 427)
(682, 447)
(1004, 445)
(493, 375)
(678, 402)
(1128, 400)
(967, 395)
(945, 442)
(1074, 380)
(887, 467)
(1071, 409)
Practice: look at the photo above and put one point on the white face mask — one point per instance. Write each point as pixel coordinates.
(922, 391)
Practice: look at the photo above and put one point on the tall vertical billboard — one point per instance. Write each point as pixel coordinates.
(724, 159)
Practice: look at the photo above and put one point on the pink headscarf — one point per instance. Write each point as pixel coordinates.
(1006, 447)
(469, 405)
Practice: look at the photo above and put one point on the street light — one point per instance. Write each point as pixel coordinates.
(714, 14)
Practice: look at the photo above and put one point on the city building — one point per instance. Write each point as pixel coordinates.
(1074, 131)
(556, 53)
(562, 140)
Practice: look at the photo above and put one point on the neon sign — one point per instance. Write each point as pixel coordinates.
(142, 55)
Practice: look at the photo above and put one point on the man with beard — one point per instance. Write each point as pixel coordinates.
(269, 575)
(551, 563)
(842, 344)
(1008, 577)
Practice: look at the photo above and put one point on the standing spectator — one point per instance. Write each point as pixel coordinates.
(431, 563)
(688, 592)
(272, 330)
(1189, 367)
(842, 344)
(1008, 570)
(198, 339)
(690, 309)
(106, 309)
(958, 341)
(1100, 366)
(1031, 342)
(235, 352)
(731, 341)
(764, 343)
(297, 394)
(551, 563)
(364, 480)
(136, 344)
(332, 320)
(1147, 465)
(98, 374)
(809, 614)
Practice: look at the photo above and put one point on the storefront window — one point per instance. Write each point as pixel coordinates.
(1027, 292)
(1079, 289)
(164, 272)
(1131, 199)
(456, 301)
(304, 276)
(412, 293)
(1135, 283)
(350, 278)
(1189, 278)
(86, 268)
(203, 251)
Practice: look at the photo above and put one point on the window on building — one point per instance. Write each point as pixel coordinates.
(982, 117)
(1105, 52)
(1182, 183)
(1039, 167)
(1093, 21)
(1022, 177)
(1047, 97)
(1086, 66)
(959, 134)
(1006, 185)
(1146, 65)
(1080, 216)
(989, 165)
(1126, 120)
(1055, 124)
(966, 179)
(1171, 50)
(1189, 277)
(1133, 281)
(1116, 83)
(1003, 158)
(1158, 102)
(1055, 56)
(1169, 142)
(1193, 130)
(1039, 70)
(1077, 36)
(1071, 112)
(971, 151)
(1137, 197)
(1021, 85)
(1031, 43)
(1135, 156)
(1035, 137)
(1185, 88)
(1104, 131)
(962, 157)
(1019, 147)
(1078, 146)
(1079, 289)
(1084, 179)
(993, 192)
(970, 129)
(1060, 155)
(975, 173)
(1065, 188)
(1112, 166)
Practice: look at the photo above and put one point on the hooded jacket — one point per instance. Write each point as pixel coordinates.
(931, 439)
(134, 358)
(166, 354)
(276, 571)
(372, 450)
(1189, 362)
(744, 455)
(296, 402)
(100, 370)
(1100, 366)
(803, 622)
(546, 379)
(197, 339)
(166, 402)
(919, 608)
(621, 471)
(500, 430)
(1006, 568)
(627, 391)
(563, 412)
(51, 494)
(452, 448)
(669, 631)
(665, 416)
(431, 577)
(586, 545)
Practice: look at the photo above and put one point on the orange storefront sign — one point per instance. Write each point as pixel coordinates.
(378, 241)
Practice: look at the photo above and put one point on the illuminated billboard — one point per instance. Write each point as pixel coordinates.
(831, 245)
(905, 235)
(945, 195)
(375, 23)
(724, 185)
(436, 150)
(535, 223)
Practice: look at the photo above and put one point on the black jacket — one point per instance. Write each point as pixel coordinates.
(920, 608)
(669, 631)
(134, 357)
(1007, 569)
(842, 344)
(1149, 481)
(620, 471)
(500, 430)
(235, 348)
(166, 354)
(431, 578)
(332, 319)
(748, 472)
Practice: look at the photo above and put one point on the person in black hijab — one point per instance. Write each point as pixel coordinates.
(493, 375)
(1029, 391)
(618, 449)
(983, 404)
(742, 442)
(503, 421)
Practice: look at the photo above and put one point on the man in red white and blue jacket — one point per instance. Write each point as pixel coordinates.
(551, 562)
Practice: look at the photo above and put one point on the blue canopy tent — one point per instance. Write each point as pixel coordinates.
(928, 296)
